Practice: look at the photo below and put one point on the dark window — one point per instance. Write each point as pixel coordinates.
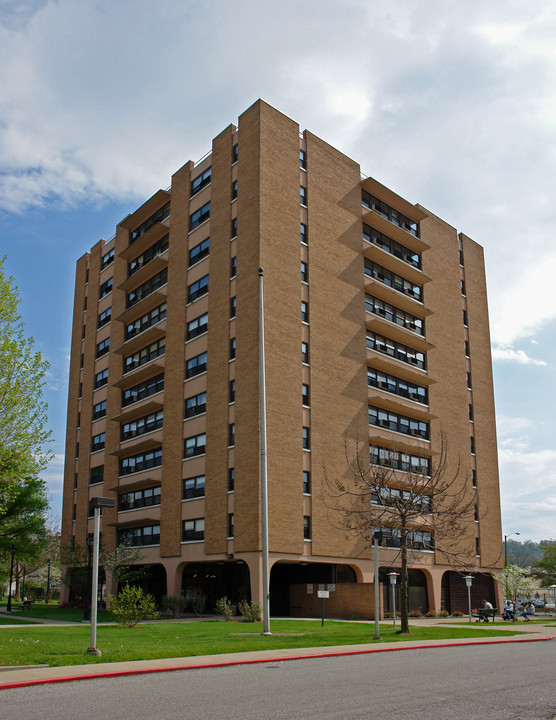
(232, 391)
(147, 288)
(142, 425)
(199, 216)
(466, 349)
(96, 475)
(303, 159)
(388, 212)
(194, 487)
(231, 479)
(477, 547)
(231, 434)
(104, 318)
(396, 350)
(304, 352)
(107, 259)
(78, 419)
(103, 347)
(105, 288)
(195, 405)
(461, 257)
(233, 232)
(197, 326)
(198, 289)
(139, 498)
(304, 272)
(83, 331)
(141, 461)
(306, 527)
(306, 482)
(82, 361)
(397, 386)
(463, 287)
(303, 195)
(234, 189)
(232, 348)
(196, 365)
(80, 390)
(199, 251)
(470, 407)
(393, 280)
(145, 355)
(306, 438)
(85, 304)
(304, 311)
(99, 410)
(234, 154)
(158, 216)
(233, 307)
(391, 246)
(233, 266)
(194, 445)
(399, 460)
(145, 321)
(98, 442)
(201, 181)
(75, 477)
(193, 530)
(140, 536)
(469, 381)
(305, 394)
(474, 478)
(230, 525)
(142, 390)
(465, 317)
(395, 315)
(398, 423)
(472, 439)
(159, 247)
(304, 234)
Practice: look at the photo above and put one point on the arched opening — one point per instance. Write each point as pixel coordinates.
(417, 589)
(216, 580)
(454, 591)
(283, 575)
(151, 578)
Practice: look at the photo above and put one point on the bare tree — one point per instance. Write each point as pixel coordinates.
(415, 502)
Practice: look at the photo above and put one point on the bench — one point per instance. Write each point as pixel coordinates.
(485, 613)
(27, 605)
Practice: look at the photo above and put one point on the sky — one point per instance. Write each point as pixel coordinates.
(451, 104)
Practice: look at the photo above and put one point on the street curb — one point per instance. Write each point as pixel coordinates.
(259, 661)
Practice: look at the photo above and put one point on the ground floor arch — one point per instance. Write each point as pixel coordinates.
(151, 578)
(288, 580)
(214, 580)
(418, 589)
(454, 591)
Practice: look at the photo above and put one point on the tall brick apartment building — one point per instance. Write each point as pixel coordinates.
(376, 325)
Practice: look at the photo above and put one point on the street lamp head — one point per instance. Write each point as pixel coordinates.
(392, 576)
(468, 580)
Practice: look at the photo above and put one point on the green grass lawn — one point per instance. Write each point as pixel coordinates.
(52, 611)
(8, 620)
(57, 646)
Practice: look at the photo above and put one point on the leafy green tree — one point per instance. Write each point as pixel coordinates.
(517, 582)
(132, 605)
(545, 569)
(24, 436)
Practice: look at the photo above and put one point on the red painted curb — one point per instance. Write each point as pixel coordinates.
(338, 653)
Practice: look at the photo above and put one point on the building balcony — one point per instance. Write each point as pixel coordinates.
(394, 263)
(139, 409)
(143, 306)
(139, 444)
(380, 223)
(144, 338)
(396, 332)
(403, 301)
(154, 266)
(397, 404)
(143, 372)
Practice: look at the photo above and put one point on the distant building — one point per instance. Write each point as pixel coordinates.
(376, 323)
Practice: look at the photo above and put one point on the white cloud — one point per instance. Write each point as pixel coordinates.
(506, 354)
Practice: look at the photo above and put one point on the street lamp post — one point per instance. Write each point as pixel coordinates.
(9, 606)
(377, 535)
(87, 603)
(468, 581)
(97, 503)
(23, 583)
(506, 546)
(48, 581)
(553, 587)
(393, 576)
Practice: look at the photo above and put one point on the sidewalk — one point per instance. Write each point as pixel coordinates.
(22, 677)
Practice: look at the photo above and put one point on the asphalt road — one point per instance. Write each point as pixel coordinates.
(496, 682)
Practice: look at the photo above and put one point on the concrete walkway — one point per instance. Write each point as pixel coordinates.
(23, 676)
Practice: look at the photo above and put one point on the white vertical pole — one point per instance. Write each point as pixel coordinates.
(264, 483)
(377, 596)
(94, 600)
